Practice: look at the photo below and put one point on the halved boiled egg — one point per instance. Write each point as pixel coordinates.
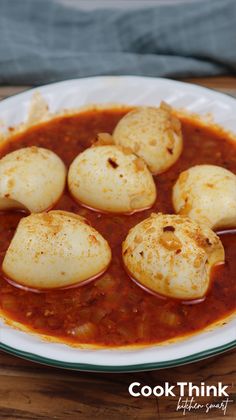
(31, 178)
(54, 250)
(111, 179)
(154, 134)
(172, 255)
(207, 194)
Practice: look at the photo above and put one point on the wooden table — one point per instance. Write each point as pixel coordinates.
(30, 391)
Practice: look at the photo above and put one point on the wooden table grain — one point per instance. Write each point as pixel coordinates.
(31, 391)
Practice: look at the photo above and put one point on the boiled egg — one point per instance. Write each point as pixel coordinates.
(54, 250)
(111, 179)
(154, 134)
(31, 178)
(207, 194)
(172, 255)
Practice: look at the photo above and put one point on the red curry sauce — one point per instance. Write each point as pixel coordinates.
(113, 310)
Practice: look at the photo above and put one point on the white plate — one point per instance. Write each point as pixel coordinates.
(124, 90)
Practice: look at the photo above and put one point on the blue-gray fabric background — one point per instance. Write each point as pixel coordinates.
(43, 40)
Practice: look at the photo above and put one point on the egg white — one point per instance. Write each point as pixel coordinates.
(207, 194)
(154, 134)
(31, 178)
(111, 179)
(54, 250)
(172, 255)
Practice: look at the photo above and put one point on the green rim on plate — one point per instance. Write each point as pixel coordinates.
(123, 368)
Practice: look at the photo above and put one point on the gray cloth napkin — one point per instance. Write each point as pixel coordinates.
(44, 40)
